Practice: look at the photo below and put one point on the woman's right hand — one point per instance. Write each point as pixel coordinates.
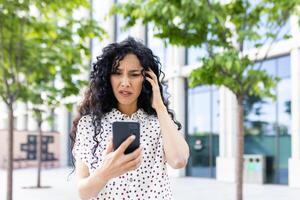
(117, 162)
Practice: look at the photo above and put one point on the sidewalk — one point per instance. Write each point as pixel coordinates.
(183, 188)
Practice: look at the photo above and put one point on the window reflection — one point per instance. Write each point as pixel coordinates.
(158, 46)
(194, 55)
(203, 123)
(262, 30)
(121, 33)
(203, 110)
(263, 115)
(267, 122)
(283, 67)
(260, 118)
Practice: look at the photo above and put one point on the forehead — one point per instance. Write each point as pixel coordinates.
(130, 61)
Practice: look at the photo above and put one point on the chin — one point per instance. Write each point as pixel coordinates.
(125, 102)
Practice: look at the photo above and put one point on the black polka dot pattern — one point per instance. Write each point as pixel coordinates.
(150, 180)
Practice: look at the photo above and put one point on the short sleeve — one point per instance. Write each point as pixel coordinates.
(83, 145)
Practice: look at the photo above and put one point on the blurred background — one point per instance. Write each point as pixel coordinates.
(47, 48)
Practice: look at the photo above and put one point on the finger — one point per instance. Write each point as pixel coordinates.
(109, 146)
(150, 70)
(152, 75)
(137, 163)
(154, 85)
(151, 81)
(134, 164)
(136, 153)
(125, 144)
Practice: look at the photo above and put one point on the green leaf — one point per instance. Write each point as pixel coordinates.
(38, 50)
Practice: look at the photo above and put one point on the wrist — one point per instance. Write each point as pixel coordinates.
(101, 175)
(160, 109)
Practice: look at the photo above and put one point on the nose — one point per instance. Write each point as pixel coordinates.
(125, 81)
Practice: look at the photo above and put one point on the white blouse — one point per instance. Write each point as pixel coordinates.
(150, 180)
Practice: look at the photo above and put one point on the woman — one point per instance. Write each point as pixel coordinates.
(125, 85)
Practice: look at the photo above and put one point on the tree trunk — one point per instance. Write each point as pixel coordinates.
(39, 154)
(10, 152)
(240, 149)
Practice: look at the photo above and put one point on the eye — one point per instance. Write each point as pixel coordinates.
(116, 73)
(135, 74)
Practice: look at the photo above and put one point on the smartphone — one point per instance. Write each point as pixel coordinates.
(122, 130)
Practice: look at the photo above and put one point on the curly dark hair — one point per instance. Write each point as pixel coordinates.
(99, 98)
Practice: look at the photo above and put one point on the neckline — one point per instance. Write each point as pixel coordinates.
(117, 115)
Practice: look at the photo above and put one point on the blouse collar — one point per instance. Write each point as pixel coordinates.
(116, 115)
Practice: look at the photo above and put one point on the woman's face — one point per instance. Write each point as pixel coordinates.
(127, 80)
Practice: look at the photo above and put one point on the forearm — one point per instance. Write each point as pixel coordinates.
(90, 186)
(175, 147)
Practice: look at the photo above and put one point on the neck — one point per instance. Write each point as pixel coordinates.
(127, 109)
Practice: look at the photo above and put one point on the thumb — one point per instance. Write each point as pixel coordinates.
(109, 146)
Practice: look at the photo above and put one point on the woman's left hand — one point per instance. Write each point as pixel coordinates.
(157, 102)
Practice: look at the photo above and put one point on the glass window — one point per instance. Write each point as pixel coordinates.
(203, 127)
(158, 46)
(203, 103)
(284, 128)
(260, 118)
(261, 31)
(284, 106)
(199, 111)
(121, 33)
(284, 69)
(194, 55)
(269, 66)
(267, 123)
(262, 115)
(203, 110)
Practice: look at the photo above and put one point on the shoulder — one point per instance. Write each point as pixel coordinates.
(145, 117)
(152, 118)
(152, 121)
(85, 120)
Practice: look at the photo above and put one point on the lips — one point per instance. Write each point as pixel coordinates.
(125, 93)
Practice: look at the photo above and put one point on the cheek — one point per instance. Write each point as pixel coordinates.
(139, 85)
(113, 83)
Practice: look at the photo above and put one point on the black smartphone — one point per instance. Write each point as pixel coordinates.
(122, 130)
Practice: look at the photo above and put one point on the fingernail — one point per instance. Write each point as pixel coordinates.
(132, 137)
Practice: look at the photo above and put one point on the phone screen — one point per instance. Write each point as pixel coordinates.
(122, 130)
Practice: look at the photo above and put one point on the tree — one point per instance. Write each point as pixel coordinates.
(42, 43)
(222, 28)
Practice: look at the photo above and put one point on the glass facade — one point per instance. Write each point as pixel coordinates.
(158, 46)
(120, 32)
(267, 126)
(203, 123)
(262, 31)
(267, 123)
(194, 54)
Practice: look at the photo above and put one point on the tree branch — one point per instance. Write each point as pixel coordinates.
(4, 99)
(19, 58)
(285, 17)
(218, 21)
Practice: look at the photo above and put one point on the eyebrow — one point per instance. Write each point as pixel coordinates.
(133, 70)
